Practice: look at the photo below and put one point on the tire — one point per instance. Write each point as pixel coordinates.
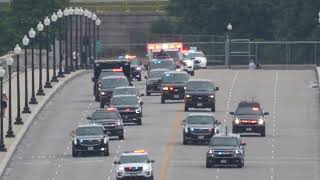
(213, 108)
(163, 100)
(240, 165)
(186, 108)
(102, 103)
(192, 73)
(106, 152)
(263, 133)
(96, 98)
(148, 94)
(184, 141)
(208, 165)
(234, 130)
(150, 178)
(121, 137)
(74, 153)
(139, 122)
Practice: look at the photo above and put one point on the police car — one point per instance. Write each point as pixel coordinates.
(134, 164)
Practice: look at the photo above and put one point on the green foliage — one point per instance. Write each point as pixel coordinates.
(17, 20)
(254, 19)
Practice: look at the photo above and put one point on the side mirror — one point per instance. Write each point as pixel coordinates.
(183, 122)
(72, 134)
(151, 161)
(88, 118)
(231, 113)
(141, 94)
(177, 66)
(197, 62)
(243, 144)
(130, 84)
(116, 162)
(266, 113)
(141, 103)
(218, 122)
(146, 77)
(217, 88)
(93, 79)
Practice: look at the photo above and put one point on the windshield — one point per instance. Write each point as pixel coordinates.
(156, 74)
(125, 100)
(105, 115)
(200, 120)
(162, 65)
(114, 82)
(89, 131)
(175, 78)
(248, 111)
(200, 86)
(168, 54)
(110, 73)
(133, 159)
(135, 62)
(224, 141)
(125, 91)
(196, 54)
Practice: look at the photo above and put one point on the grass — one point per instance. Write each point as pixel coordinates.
(124, 6)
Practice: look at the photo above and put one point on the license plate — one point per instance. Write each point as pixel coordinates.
(176, 96)
(248, 129)
(223, 161)
(133, 175)
(90, 148)
(200, 137)
(199, 104)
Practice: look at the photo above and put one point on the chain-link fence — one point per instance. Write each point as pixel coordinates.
(241, 50)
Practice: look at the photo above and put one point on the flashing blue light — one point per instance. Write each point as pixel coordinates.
(220, 153)
(192, 129)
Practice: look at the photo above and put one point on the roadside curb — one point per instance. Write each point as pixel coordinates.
(28, 122)
(318, 75)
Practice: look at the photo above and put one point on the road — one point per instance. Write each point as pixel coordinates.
(289, 151)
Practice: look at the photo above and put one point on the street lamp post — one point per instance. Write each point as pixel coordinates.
(77, 13)
(25, 42)
(33, 100)
(54, 19)
(66, 66)
(89, 35)
(94, 18)
(2, 145)
(60, 15)
(10, 133)
(71, 12)
(98, 23)
(47, 24)
(17, 51)
(86, 37)
(40, 29)
(81, 39)
(227, 48)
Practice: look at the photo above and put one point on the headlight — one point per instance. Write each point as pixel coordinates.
(210, 152)
(184, 88)
(165, 88)
(211, 96)
(237, 120)
(103, 93)
(137, 111)
(146, 167)
(188, 96)
(118, 123)
(191, 129)
(75, 141)
(105, 140)
(139, 68)
(260, 121)
(186, 129)
(238, 152)
(121, 168)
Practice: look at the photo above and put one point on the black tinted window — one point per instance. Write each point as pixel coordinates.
(126, 100)
(175, 78)
(200, 86)
(114, 82)
(224, 141)
(105, 115)
(200, 120)
(89, 131)
(249, 111)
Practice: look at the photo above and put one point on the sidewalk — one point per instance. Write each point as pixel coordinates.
(19, 130)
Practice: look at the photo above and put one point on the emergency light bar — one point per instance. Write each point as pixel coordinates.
(164, 46)
(117, 70)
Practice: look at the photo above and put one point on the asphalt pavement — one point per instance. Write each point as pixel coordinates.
(290, 149)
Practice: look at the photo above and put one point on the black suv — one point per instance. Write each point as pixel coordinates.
(106, 86)
(173, 85)
(136, 68)
(225, 150)
(249, 118)
(111, 119)
(199, 127)
(200, 93)
(152, 83)
(105, 73)
(129, 108)
(89, 138)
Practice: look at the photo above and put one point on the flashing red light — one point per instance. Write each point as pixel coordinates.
(171, 88)
(249, 121)
(255, 109)
(128, 109)
(117, 70)
(185, 49)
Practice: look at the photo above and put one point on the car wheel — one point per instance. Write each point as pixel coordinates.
(240, 165)
(263, 133)
(163, 100)
(121, 137)
(213, 108)
(148, 94)
(192, 73)
(102, 103)
(139, 122)
(74, 152)
(186, 108)
(208, 165)
(106, 152)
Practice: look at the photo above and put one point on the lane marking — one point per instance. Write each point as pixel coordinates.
(170, 146)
